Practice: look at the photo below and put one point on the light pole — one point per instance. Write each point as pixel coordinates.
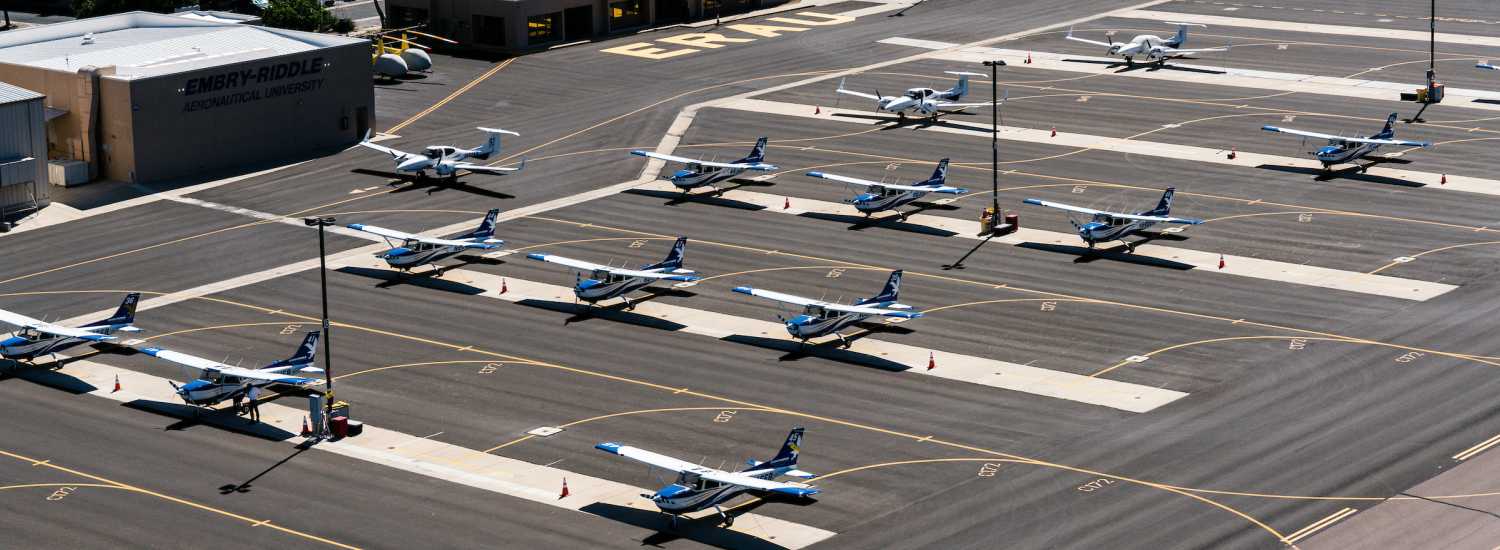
(995, 136)
(321, 223)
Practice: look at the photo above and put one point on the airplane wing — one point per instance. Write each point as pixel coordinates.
(1085, 40)
(485, 169)
(842, 90)
(402, 235)
(1486, 66)
(590, 266)
(1343, 139)
(800, 301)
(1121, 215)
(678, 465)
(868, 183)
(1175, 51)
(205, 365)
(674, 158)
(19, 320)
(387, 150)
(943, 104)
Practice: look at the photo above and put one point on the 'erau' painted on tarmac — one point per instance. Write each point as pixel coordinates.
(699, 41)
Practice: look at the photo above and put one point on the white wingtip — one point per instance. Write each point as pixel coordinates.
(496, 131)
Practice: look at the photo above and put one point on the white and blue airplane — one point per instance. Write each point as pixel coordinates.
(1486, 66)
(607, 282)
(1154, 48)
(1341, 150)
(447, 160)
(700, 488)
(879, 197)
(820, 318)
(923, 101)
(36, 337)
(1105, 226)
(217, 381)
(417, 250)
(698, 173)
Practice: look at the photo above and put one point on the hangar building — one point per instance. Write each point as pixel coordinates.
(23, 151)
(522, 25)
(142, 97)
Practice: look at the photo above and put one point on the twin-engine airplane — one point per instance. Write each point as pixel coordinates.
(879, 197)
(217, 381)
(698, 173)
(607, 282)
(37, 337)
(447, 160)
(820, 318)
(417, 250)
(1342, 149)
(1107, 226)
(700, 488)
(1153, 48)
(923, 101)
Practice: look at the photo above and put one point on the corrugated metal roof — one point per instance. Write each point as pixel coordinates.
(10, 94)
(142, 44)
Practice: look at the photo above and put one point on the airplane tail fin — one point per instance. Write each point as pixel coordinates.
(305, 354)
(940, 175)
(1390, 121)
(674, 258)
(787, 456)
(757, 154)
(125, 315)
(487, 227)
(961, 89)
(1181, 37)
(1165, 205)
(890, 292)
(491, 145)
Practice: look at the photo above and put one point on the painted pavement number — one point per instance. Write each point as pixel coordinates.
(699, 41)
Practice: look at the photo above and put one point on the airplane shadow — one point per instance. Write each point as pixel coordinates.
(1085, 255)
(189, 416)
(44, 375)
(830, 350)
(1148, 67)
(1351, 173)
(1488, 101)
(712, 199)
(614, 312)
(859, 223)
(431, 185)
(918, 123)
(705, 530)
(392, 278)
(245, 486)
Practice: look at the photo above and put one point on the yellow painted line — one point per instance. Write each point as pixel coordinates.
(176, 500)
(460, 91)
(1424, 253)
(1477, 448)
(37, 485)
(429, 364)
(626, 413)
(1320, 524)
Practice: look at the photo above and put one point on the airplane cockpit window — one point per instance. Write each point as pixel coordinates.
(409, 243)
(817, 311)
(30, 333)
(1117, 222)
(434, 152)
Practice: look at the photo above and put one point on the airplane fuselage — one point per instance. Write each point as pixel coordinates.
(685, 497)
(27, 345)
(807, 327)
(1333, 154)
(1100, 231)
(404, 257)
(694, 178)
(594, 290)
(206, 393)
(870, 203)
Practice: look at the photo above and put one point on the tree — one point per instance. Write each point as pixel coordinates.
(95, 8)
(299, 15)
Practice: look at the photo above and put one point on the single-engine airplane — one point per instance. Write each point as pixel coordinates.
(820, 318)
(217, 381)
(417, 250)
(37, 337)
(698, 173)
(700, 488)
(1153, 48)
(447, 160)
(607, 282)
(1107, 226)
(924, 101)
(1341, 150)
(879, 197)
(1486, 66)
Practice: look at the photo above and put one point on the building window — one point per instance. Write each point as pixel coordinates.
(402, 16)
(544, 28)
(626, 14)
(489, 30)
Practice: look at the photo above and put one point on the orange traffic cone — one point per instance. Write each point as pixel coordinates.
(117, 384)
(1221, 261)
(1028, 57)
(1232, 153)
(1054, 131)
(503, 289)
(931, 363)
(565, 490)
(1443, 181)
(306, 431)
(817, 110)
(787, 204)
